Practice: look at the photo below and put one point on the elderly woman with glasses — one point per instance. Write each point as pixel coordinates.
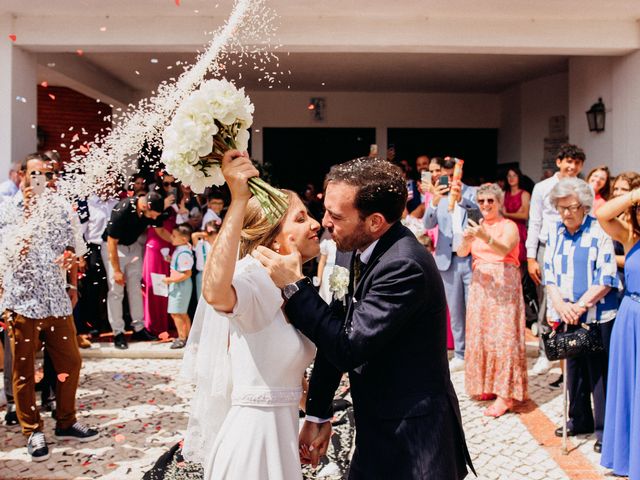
(495, 359)
(581, 282)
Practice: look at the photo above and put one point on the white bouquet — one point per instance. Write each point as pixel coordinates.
(212, 120)
(339, 282)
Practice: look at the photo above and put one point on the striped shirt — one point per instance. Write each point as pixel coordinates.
(575, 262)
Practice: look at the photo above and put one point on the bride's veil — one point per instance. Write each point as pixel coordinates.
(206, 363)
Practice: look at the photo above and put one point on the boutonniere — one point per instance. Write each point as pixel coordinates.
(339, 283)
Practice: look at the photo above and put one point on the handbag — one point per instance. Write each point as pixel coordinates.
(584, 340)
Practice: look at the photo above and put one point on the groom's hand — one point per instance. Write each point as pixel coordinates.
(283, 269)
(314, 442)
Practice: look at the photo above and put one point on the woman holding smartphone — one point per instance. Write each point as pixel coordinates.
(495, 358)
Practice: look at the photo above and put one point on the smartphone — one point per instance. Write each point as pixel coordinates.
(38, 184)
(474, 214)
(425, 177)
(443, 180)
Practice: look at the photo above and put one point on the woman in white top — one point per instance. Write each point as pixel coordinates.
(244, 420)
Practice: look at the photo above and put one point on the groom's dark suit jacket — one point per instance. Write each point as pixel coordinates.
(391, 338)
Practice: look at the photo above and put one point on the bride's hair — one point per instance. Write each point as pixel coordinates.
(256, 228)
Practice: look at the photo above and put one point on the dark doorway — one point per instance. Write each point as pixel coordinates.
(478, 147)
(298, 156)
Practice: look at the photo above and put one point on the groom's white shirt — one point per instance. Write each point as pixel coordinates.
(365, 256)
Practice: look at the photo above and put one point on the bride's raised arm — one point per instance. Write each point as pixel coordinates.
(219, 269)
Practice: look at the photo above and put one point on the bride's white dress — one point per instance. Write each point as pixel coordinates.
(267, 357)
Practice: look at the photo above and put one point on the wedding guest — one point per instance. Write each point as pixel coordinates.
(621, 440)
(10, 186)
(454, 270)
(137, 185)
(94, 291)
(495, 358)
(423, 165)
(600, 181)
(122, 258)
(156, 318)
(581, 282)
(202, 243)
(516, 207)
(215, 205)
(42, 312)
(180, 283)
(543, 216)
(623, 183)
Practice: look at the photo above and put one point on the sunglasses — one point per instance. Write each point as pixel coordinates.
(170, 184)
(48, 175)
(482, 201)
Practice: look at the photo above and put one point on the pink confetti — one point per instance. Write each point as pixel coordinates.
(62, 377)
(177, 3)
(164, 336)
(52, 96)
(80, 52)
(44, 84)
(119, 438)
(13, 37)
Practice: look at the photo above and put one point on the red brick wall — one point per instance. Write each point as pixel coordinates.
(60, 108)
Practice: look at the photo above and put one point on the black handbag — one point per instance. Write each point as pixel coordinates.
(583, 340)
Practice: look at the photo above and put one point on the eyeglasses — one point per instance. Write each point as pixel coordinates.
(482, 201)
(170, 184)
(48, 175)
(570, 209)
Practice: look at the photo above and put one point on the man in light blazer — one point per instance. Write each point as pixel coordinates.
(455, 271)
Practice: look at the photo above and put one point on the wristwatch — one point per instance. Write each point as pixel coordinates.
(289, 290)
(581, 304)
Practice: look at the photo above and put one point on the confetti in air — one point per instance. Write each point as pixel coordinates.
(12, 37)
(100, 164)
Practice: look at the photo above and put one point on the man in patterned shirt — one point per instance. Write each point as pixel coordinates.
(37, 305)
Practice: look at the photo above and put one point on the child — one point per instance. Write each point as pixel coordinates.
(179, 281)
(202, 242)
(215, 205)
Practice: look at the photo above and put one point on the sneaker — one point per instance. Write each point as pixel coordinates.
(120, 342)
(77, 431)
(144, 335)
(37, 447)
(456, 364)
(178, 343)
(542, 365)
(11, 417)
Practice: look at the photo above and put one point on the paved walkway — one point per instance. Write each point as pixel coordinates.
(141, 409)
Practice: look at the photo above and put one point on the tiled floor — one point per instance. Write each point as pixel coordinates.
(141, 408)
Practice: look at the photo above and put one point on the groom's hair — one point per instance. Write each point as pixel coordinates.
(381, 186)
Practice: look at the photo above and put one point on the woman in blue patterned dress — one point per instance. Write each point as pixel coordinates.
(621, 442)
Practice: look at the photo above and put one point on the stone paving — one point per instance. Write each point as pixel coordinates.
(141, 408)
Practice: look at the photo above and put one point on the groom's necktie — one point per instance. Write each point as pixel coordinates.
(358, 266)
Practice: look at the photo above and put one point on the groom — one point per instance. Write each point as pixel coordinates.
(390, 335)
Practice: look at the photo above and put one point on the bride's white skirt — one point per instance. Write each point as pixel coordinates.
(256, 443)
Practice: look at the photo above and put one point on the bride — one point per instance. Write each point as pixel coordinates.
(246, 359)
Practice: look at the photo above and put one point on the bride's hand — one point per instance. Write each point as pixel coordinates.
(314, 442)
(237, 169)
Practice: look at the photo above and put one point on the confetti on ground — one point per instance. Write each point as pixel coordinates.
(119, 438)
(12, 37)
(164, 336)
